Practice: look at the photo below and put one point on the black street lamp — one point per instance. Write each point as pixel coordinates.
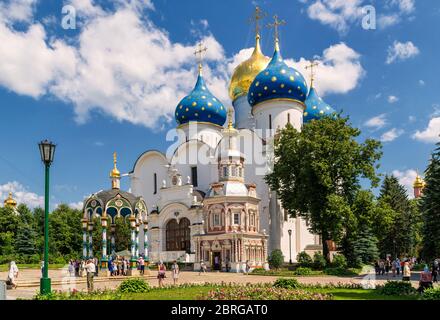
(47, 151)
(290, 245)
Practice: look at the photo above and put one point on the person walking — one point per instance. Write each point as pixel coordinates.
(248, 267)
(90, 269)
(12, 275)
(434, 271)
(141, 266)
(96, 262)
(124, 267)
(202, 267)
(71, 269)
(397, 264)
(175, 269)
(161, 273)
(406, 272)
(82, 268)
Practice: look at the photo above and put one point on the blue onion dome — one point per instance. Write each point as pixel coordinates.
(277, 81)
(316, 108)
(200, 106)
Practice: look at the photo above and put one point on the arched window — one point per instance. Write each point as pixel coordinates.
(178, 235)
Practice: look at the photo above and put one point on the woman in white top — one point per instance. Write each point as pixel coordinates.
(13, 274)
(176, 271)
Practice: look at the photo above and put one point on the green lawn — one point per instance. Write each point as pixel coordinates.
(360, 294)
(5, 267)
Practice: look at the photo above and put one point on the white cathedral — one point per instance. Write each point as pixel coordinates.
(206, 198)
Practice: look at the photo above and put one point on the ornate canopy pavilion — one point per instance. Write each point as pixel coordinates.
(110, 205)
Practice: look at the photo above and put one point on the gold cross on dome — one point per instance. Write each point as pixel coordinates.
(199, 54)
(275, 25)
(312, 65)
(258, 15)
(114, 159)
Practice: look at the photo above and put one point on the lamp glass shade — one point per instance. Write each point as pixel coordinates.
(47, 151)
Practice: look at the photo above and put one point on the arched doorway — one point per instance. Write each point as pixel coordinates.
(178, 235)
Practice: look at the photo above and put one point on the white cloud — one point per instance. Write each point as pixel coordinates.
(431, 134)
(393, 99)
(405, 6)
(17, 10)
(377, 122)
(406, 178)
(391, 135)
(76, 205)
(336, 13)
(341, 14)
(21, 194)
(385, 21)
(339, 69)
(401, 51)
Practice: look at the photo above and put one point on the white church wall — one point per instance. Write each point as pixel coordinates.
(275, 114)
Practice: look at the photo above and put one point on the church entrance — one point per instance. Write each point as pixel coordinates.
(217, 260)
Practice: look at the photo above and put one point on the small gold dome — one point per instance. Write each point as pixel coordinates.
(246, 72)
(115, 172)
(10, 202)
(419, 182)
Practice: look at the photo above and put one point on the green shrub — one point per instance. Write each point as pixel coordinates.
(304, 259)
(431, 294)
(303, 271)
(340, 272)
(134, 286)
(276, 259)
(396, 288)
(339, 261)
(319, 262)
(286, 283)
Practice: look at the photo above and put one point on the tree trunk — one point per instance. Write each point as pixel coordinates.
(325, 248)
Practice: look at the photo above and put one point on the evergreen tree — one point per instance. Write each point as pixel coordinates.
(25, 241)
(365, 249)
(397, 240)
(430, 207)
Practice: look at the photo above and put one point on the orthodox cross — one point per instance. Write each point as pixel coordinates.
(114, 159)
(199, 54)
(312, 65)
(259, 14)
(275, 25)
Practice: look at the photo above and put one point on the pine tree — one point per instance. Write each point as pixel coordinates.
(365, 249)
(430, 207)
(396, 241)
(25, 241)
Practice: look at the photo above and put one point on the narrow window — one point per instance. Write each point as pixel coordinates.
(270, 122)
(225, 171)
(288, 118)
(236, 218)
(194, 176)
(155, 183)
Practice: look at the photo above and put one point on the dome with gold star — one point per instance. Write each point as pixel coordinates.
(316, 108)
(278, 81)
(200, 106)
(246, 72)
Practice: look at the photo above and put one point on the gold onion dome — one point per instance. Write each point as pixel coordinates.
(10, 202)
(419, 182)
(245, 73)
(115, 172)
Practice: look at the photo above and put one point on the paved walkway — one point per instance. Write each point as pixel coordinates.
(30, 279)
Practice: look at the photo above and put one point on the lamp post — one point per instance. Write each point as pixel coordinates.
(290, 245)
(47, 151)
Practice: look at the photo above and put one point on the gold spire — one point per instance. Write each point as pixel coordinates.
(199, 54)
(312, 65)
(115, 172)
(245, 73)
(276, 23)
(10, 202)
(230, 125)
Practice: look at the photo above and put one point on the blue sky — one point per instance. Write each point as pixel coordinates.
(112, 83)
